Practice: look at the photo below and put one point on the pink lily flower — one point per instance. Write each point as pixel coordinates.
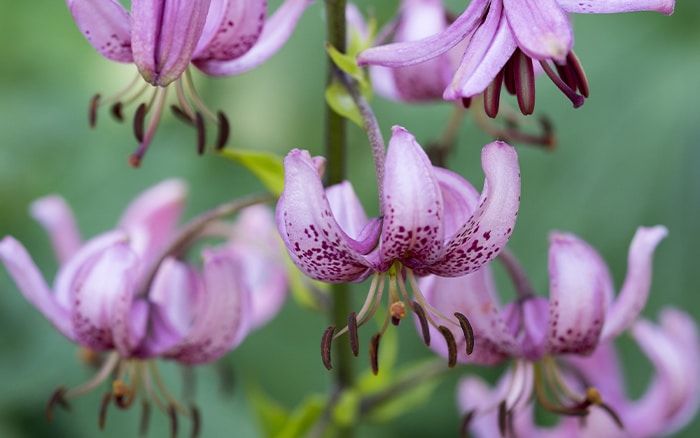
(130, 294)
(433, 222)
(163, 37)
(668, 404)
(582, 312)
(504, 38)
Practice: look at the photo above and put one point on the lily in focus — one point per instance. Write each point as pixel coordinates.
(543, 335)
(505, 39)
(163, 37)
(432, 222)
(130, 296)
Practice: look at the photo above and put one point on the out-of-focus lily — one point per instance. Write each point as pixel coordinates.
(668, 404)
(504, 37)
(163, 37)
(581, 313)
(129, 293)
(433, 222)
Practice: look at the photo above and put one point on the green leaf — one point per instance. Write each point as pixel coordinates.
(304, 417)
(268, 167)
(340, 100)
(406, 401)
(271, 415)
(346, 62)
(345, 411)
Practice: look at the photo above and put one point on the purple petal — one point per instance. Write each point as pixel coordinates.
(486, 53)
(474, 296)
(238, 27)
(474, 395)
(105, 24)
(414, 52)
(602, 370)
(275, 34)
(165, 36)
(412, 226)
(222, 317)
(102, 287)
(54, 214)
(615, 6)
(540, 27)
(635, 290)
(31, 283)
(460, 199)
(534, 322)
(314, 239)
(483, 236)
(578, 279)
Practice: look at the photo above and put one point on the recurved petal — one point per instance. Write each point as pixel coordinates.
(414, 52)
(54, 214)
(615, 6)
(236, 28)
(487, 231)
(103, 291)
(578, 278)
(30, 282)
(277, 30)
(105, 24)
(540, 27)
(460, 199)
(635, 290)
(222, 316)
(413, 210)
(315, 241)
(165, 35)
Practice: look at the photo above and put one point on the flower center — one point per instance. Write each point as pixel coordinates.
(189, 108)
(399, 301)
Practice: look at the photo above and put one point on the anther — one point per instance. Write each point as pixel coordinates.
(102, 418)
(492, 96)
(616, 418)
(139, 119)
(397, 311)
(467, 330)
(172, 413)
(374, 353)
(116, 111)
(524, 82)
(326, 347)
(196, 421)
(123, 395)
(466, 421)
(201, 132)
(466, 102)
(425, 330)
(352, 334)
(181, 114)
(92, 110)
(593, 396)
(145, 418)
(451, 346)
(502, 418)
(58, 397)
(223, 130)
(89, 357)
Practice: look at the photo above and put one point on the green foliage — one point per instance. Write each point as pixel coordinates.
(268, 167)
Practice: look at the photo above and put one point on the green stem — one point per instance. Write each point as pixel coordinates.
(336, 145)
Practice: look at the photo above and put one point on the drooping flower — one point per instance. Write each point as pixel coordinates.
(163, 37)
(668, 404)
(504, 39)
(130, 294)
(433, 222)
(581, 314)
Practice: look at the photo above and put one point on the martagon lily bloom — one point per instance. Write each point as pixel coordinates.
(542, 335)
(669, 402)
(129, 294)
(505, 38)
(433, 222)
(163, 37)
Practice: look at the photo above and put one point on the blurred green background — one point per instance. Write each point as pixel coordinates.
(628, 157)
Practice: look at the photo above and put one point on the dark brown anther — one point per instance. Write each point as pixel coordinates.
(58, 397)
(492, 96)
(524, 82)
(180, 114)
(139, 119)
(502, 418)
(374, 353)
(102, 418)
(116, 111)
(616, 418)
(326, 341)
(145, 418)
(123, 395)
(92, 110)
(425, 330)
(466, 422)
(466, 102)
(467, 330)
(223, 131)
(451, 346)
(201, 132)
(352, 334)
(196, 421)
(172, 413)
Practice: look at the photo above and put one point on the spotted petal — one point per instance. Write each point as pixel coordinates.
(105, 24)
(615, 6)
(233, 27)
